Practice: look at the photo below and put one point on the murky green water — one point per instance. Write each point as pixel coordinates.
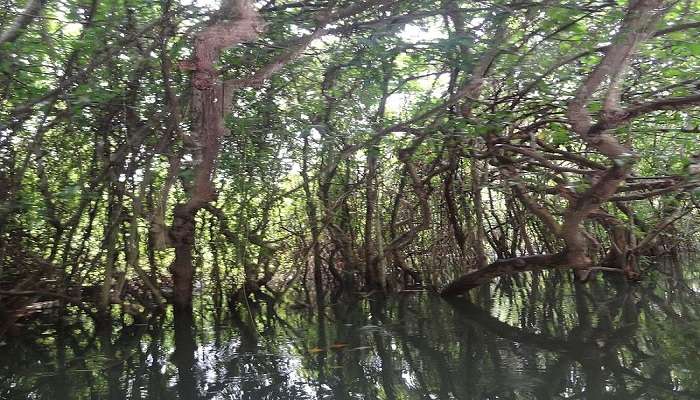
(541, 338)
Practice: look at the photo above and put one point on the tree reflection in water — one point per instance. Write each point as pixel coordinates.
(538, 337)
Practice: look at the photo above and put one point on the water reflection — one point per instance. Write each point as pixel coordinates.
(538, 337)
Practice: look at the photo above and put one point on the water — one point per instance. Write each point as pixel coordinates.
(531, 338)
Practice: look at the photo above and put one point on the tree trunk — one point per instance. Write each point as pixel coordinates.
(312, 215)
(182, 268)
(211, 100)
(115, 211)
(371, 278)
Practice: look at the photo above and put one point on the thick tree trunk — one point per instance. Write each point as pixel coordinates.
(182, 268)
(210, 103)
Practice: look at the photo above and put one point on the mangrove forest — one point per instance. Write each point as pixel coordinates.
(338, 199)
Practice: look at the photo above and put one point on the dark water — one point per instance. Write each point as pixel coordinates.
(534, 338)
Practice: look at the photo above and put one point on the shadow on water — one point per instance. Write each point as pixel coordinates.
(534, 337)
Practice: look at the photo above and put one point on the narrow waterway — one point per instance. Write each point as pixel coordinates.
(537, 337)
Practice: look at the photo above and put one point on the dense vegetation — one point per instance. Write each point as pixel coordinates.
(151, 148)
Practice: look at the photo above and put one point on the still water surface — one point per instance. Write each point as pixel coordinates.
(538, 337)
